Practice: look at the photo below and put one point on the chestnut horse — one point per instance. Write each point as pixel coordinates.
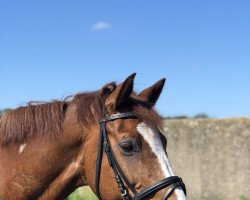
(48, 150)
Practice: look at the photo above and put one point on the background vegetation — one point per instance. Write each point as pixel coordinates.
(84, 193)
(4, 110)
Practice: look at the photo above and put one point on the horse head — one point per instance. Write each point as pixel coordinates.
(136, 164)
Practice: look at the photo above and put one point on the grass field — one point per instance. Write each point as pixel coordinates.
(83, 193)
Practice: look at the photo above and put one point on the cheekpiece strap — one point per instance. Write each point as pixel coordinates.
(117, 116)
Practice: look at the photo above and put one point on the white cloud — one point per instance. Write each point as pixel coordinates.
(99, 26)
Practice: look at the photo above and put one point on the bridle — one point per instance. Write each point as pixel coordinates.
(172, 182)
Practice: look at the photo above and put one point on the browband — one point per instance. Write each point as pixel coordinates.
(117, 116)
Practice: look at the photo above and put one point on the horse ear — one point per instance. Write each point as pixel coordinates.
(151, 94)
(121, 93)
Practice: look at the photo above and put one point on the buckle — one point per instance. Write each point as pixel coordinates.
(124, 193)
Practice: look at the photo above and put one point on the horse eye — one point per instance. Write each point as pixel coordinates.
(127, 146)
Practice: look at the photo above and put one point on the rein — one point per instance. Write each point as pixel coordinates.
(172, 182)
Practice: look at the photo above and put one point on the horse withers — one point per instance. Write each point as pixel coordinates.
(47, 150)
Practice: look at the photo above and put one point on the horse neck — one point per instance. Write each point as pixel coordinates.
(71, 149)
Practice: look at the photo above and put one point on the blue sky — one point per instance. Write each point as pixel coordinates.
(50, 49)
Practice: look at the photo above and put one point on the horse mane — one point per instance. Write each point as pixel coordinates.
(36, 118)
(46, 118)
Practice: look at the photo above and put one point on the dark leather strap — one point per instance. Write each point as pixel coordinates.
(114, 163)
(131, 187)
(170, 190)
(158, 186)
(104, 142)
(117, 116)
(99, 161)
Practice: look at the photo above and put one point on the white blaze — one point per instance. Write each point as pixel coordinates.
(21, 148)
(153, 139)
